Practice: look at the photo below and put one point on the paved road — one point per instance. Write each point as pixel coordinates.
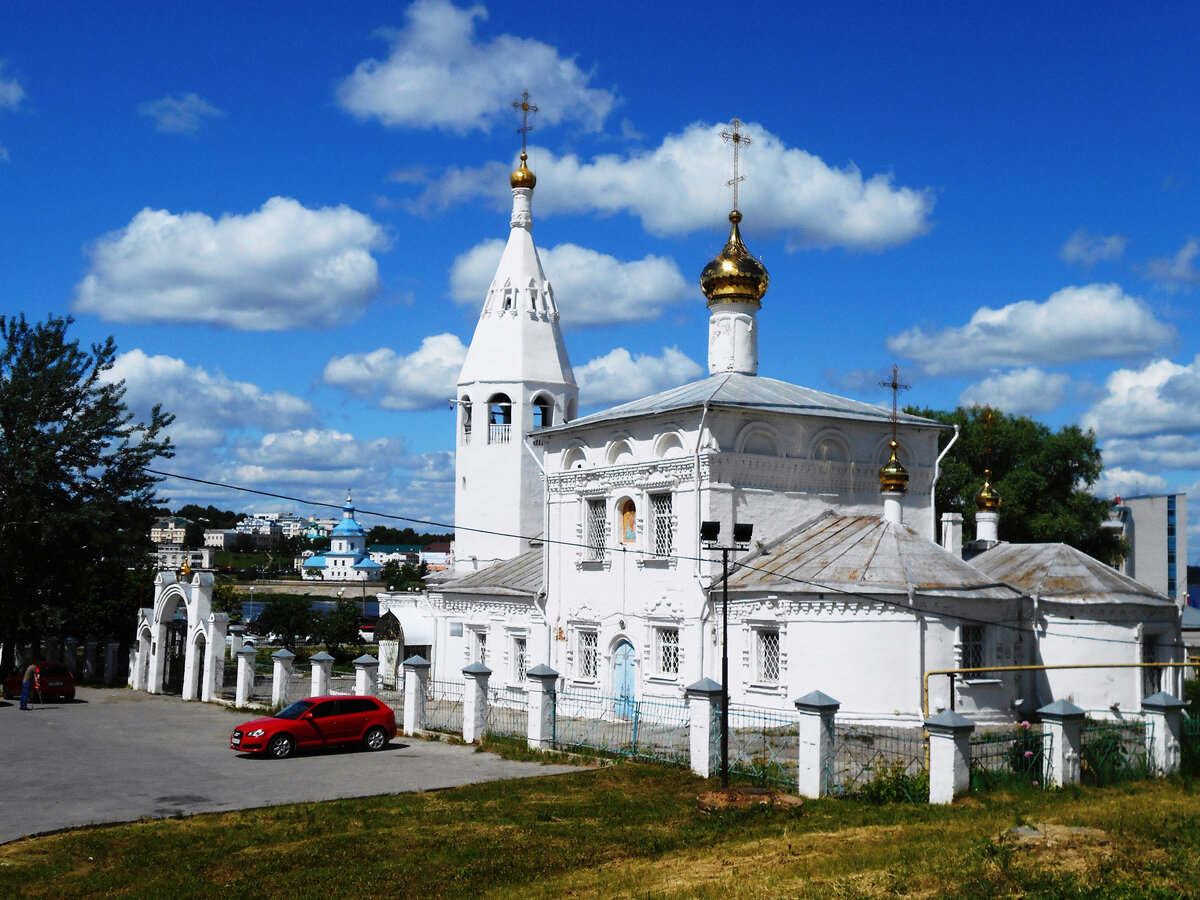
(121, 755)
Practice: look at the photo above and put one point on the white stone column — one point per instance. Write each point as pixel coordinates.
(416, 680)
(704, 735)
(366, 676)
(475, 701)
(987, 525)
(1064, 722)
(542, 680)
(281, 677)
(949, 755)
(214, 657)
(322, 672)
(158, 658)
(236, 633)
(817, 712)
(1165, 732)
(245, 677)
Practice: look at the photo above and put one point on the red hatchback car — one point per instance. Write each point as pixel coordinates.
(317, 722)
(54, 682)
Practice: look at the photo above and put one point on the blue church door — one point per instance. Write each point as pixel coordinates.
(624, 680)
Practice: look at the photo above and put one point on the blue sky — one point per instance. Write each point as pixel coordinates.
(287, 214)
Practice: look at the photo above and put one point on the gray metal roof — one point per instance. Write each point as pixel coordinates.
(520, 576)
(1063, 574)
(862, 554)
(751, 392)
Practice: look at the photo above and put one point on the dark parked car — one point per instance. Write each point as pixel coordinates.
(318, 722)
(54, 682)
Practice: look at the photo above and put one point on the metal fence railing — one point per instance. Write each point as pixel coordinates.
(653, 728)
(508, 712)
(763, 744)
(1116, 751)
(443, 706)
(1190, 745)
(882, 762)
(1012, 757)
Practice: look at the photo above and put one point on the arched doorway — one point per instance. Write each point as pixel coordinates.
(174, 660)
(624, 679)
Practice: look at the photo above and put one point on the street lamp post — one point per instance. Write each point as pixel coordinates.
(710, 533)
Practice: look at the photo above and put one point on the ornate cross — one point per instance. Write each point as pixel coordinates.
(895, 386)
(736, 137)
(526, 108)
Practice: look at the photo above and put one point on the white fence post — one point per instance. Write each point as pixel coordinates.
(366, 675)
(817, 712)
(475, 701)
(322, 672)
(949, 755)
(1063, 720)
(704, 738)
(1164, 732)
(245, 676)
(213, 670)
(281, 677)
(542, 680)
(416, 680)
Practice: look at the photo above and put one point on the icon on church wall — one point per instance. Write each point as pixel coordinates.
(628, 522)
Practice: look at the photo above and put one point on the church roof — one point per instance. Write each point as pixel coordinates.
(733, 390)
(862, 555)
(519, 576)
(1061, 573)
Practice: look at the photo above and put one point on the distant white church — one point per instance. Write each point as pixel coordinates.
(347, 558)
(578, 539)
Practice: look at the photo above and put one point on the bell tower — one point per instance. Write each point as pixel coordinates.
(515, 380)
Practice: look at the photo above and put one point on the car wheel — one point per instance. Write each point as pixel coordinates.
(281, 746)
(375, 739)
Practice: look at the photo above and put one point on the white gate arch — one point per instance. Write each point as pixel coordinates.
(204, 640)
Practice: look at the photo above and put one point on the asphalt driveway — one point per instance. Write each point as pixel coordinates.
(122, 755)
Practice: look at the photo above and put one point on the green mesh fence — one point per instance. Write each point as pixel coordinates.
(1009, 758)
(764, 745)
(1116, 751)
(653, 728)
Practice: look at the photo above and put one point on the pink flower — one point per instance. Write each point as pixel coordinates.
(1026, 725)
(1036, 784)
(1028, 753)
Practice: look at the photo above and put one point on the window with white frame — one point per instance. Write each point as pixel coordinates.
(519, 660)
(662, 525)
(766, 655)
(587, 665)
(667, 640)
(596, 528)
(971, 649)
(481, 647)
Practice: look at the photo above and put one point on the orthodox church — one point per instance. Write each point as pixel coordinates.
(579, 545)
(347, 558)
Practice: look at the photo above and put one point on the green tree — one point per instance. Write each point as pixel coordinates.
(74, 485)
(339, 625)
(226, 599)
(193, 536)
(1042, 477)
(288, 615)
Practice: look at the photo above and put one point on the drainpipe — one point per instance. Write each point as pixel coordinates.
(545, 592)
(696, 530)
(933, 487)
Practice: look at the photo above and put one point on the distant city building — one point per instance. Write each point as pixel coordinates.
(316, 529)
(219, 538)
(265, 529)
(174, 556)
(401, 553)
(439, 556)
(168, 530)
(1156, 527)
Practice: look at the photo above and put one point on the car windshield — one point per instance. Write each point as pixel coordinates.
(295, 711)
(53, 670)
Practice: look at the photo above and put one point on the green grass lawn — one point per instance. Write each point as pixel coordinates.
(633, 831)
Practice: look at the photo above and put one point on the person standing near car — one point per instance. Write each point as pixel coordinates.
(27, 684)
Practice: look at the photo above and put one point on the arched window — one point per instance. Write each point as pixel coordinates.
(628, 533)
(572, 406)
(499, 419)
(543, 412)
(574, 458)
(464, 406)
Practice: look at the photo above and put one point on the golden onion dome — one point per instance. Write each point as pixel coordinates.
(523, 177)
(734, 276)
(893, 477)
(186, 571)
(987, 498)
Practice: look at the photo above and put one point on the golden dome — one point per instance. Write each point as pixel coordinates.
(734, 276)
(987, 498)
(186, 571)
(893, 477)
(523, 177)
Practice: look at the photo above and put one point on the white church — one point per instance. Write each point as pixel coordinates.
(578, 541)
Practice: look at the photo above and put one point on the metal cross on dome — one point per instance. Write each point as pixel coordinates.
(526, 108)
(737, 137)
(895, 386)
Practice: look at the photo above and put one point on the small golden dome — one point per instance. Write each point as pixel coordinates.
(893, 477)
(186, 571)
(523, 177)
(987, 498)
(734, 276)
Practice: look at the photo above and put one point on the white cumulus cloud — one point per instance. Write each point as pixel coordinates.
(180, 114)
(1161, 398)
(423, 379)
(1085, 248)
(440, 74)
(207, 406)
(1117, 482)
(1095, 321)
(1155, 453)
(619, 376)
(11, 92)
(1027, 392)
(591, 288)
(678, 188)
(283, 266)
(1178, 271)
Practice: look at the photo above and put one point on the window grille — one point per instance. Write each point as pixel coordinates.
(668, 651)
(972, 648)
(519, 660)
(589, 642)
(595, 529)
(768, 656)
(481, 647)
(664, 524)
